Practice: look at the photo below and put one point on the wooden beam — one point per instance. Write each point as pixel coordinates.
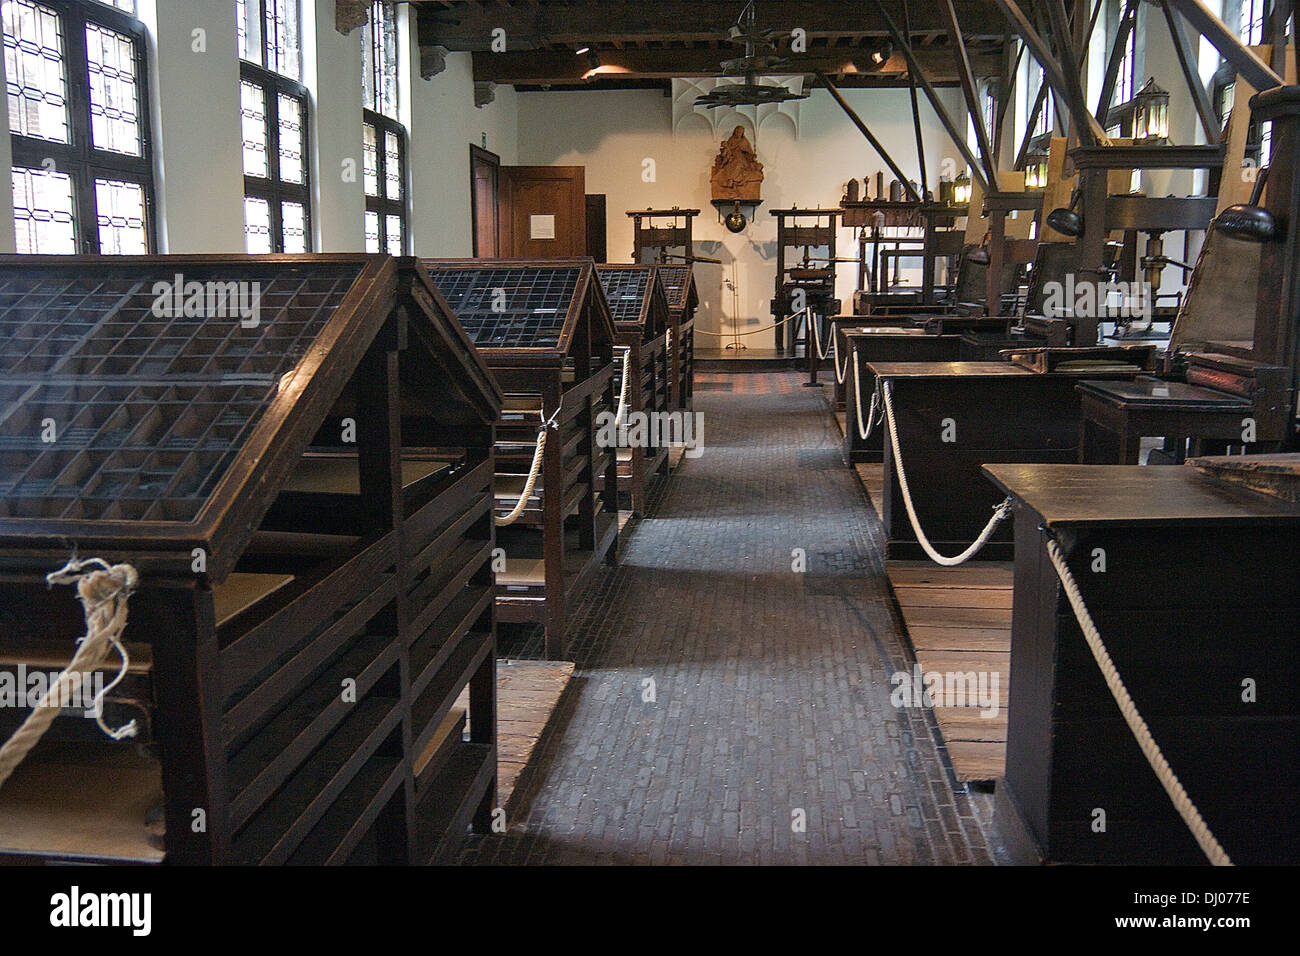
(1006, 86)
(916, 111)
(957, 136)
(469, 26)
(1242, 59)
(1191, 74)
(866, 131)
(1076, 98)
(970, 92)
(1127, 21)
(1089, 130)
(1023, 153)
(848, 64)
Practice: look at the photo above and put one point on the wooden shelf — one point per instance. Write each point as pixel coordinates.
(82, 804)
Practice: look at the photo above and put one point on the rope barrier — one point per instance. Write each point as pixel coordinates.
(873, 416)
(104, 594)
(999, 512)
(534, 471)
(835, 350)
(1164, 773)
(817, 336)
(727, 335)
(623, 395)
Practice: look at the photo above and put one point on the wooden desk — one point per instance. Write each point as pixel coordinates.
(1199, 594)
(878, 343)
(999, 413)
(1117, 415)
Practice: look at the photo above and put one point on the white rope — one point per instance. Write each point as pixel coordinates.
(766, 328)
(817, 336)
(534, 471)
(873, 416)
(103, 594)
(999, 512)
(1164, 773)
(623, 395)
(835, 350)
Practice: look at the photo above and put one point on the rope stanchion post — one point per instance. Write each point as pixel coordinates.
(1210, 846)
(813, 346)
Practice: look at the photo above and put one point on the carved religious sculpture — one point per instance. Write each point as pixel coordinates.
(737, 173)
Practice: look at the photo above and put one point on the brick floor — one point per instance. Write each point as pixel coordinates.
(771, 688)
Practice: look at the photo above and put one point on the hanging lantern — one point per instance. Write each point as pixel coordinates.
(962, 188)
(1151, 112)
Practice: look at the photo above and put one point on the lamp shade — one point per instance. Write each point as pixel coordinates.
(1247, 223)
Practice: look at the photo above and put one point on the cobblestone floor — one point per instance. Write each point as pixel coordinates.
(720, 697)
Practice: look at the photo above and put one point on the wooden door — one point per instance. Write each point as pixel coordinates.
(543, 211)
(484, 168)
(597, 246)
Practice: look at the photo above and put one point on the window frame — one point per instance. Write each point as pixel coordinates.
(80, 159)
(380, 203)
(370, 42)
(262, 60)
(274, 190)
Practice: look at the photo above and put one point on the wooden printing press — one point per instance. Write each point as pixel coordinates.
(954, 417)
(683, 299)
(1217, 389)
(804, 281)
(965, 310)
(295, 453)
(939, 240)
(1106, 212)
(544, 329)
(1186, 652)
(640, 311)
(1210, 664)
(939, 339)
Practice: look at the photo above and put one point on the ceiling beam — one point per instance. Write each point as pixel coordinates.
(956, 135)
(1069, 89)
(847, 64)
(469, 26)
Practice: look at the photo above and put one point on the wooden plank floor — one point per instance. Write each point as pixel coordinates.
(959, 620)
(872, 476)
(527, 695)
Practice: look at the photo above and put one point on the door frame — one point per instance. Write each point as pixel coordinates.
(478, 155)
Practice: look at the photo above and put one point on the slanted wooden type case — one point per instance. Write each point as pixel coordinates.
(683, 300)
(544, 329)
(305, 490)
(639, 308)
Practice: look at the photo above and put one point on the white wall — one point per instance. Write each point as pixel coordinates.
(611, 133)
(332, 72)
(195, 118)
(443, 123)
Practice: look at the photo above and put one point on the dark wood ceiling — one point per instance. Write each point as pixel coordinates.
(647, 42)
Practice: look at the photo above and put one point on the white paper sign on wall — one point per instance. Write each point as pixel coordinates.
(541, 227)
